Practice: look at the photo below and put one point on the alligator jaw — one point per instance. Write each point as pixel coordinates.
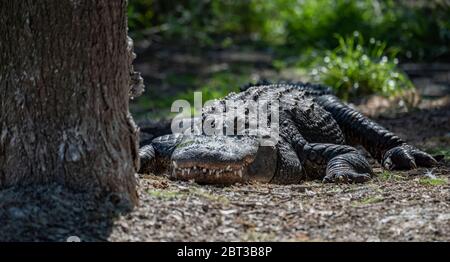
(216, 159)
(210, 174)
(223, 160)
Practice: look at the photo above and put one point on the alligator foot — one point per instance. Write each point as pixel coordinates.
(406, 157)
(348, 168)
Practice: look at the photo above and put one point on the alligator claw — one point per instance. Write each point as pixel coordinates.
(406, 157)
(349, 177)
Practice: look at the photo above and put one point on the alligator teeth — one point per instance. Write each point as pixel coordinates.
(204, 170)
(240, 173)
(188, 171)
(174, 164)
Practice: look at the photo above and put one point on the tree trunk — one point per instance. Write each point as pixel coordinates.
(64, 93)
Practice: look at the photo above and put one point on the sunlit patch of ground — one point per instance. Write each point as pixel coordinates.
(397, 206)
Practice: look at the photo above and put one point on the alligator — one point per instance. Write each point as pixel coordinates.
(318, 139)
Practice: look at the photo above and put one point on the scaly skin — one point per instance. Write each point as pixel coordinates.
(315, 127)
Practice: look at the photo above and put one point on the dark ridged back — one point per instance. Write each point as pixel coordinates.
(296, 103)
(309, 88)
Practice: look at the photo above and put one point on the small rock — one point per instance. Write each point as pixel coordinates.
(228, 212)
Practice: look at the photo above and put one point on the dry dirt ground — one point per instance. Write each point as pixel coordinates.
(397, 206)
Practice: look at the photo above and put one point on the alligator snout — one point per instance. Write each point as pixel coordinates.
(219, 159)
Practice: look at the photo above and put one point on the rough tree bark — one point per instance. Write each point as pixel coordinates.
(64, 88)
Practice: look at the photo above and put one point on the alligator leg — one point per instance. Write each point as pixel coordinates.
(155, 157)
(334, 163)
(390, 150)
(290, 170)
(298, 159)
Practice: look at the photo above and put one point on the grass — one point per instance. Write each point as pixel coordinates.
(427, 181)
(369, 200)
(433, 181)
(165, 194)
(202, 193)
(193, 191)
(390, 176)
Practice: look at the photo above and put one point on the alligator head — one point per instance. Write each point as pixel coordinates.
(223, 159)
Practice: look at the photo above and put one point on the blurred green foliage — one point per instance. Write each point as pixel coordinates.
(421, 31)
(313, 36)
(443, 151)
(216, 86)
(420, 28)
(433, 181)
(355, 69)
(198, 21)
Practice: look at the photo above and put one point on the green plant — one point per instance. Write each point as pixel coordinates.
(354, 69)
(386, 175)
(368, 200)
(164, 194)
(433, 181)
(181, 194)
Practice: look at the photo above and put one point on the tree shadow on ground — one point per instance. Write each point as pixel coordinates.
(53, 213)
